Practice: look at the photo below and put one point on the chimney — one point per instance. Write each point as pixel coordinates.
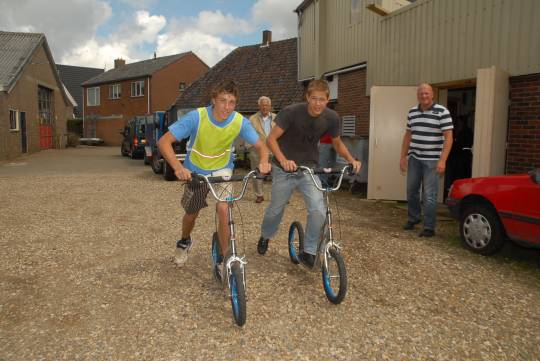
(267, 38)
(119, 62)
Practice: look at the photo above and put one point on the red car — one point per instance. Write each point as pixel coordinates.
(493, 209)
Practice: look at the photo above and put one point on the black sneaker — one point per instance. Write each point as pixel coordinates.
(182, 248)
(262, 246)
(307, 259)
(427, 233)
(410, 225)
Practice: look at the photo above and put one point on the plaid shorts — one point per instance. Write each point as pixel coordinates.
(194, 197)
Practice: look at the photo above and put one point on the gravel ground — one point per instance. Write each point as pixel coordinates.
(86, 273)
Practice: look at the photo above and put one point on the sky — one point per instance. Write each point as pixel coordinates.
(93, 33)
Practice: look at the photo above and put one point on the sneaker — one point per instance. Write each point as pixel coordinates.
(259, 199)
(262, 246)
(307, 259)
(410, 225)
(427, 233)
(182, 248)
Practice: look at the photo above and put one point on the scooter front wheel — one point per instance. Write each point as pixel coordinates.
(296, 241)
(238, 294)
(334, 277)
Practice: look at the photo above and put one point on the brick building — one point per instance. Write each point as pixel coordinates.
(482, 59)
(112, 98)
(73, 77)
(524, 124)
(34, 104)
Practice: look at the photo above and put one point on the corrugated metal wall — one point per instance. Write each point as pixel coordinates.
(307, 43)
(447, 40)
(431, 40)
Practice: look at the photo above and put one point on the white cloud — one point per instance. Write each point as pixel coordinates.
(215, 22)
(65, 23)
(71, 27)
(97, 54)
(138, 4)
(209, 48)
(125, 44)
(142, 28)
(279, 14)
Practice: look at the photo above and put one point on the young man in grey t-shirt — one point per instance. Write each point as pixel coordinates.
(293, 142)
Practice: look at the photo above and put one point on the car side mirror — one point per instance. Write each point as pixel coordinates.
(535, 175)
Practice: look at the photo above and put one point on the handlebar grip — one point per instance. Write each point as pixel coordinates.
(198, 178)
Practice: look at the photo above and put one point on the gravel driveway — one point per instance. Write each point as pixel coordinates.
(86, 273)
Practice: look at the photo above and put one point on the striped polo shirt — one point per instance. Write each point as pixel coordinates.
(427, 131)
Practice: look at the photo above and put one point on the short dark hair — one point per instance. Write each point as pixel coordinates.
(226, 86)
(318, 85)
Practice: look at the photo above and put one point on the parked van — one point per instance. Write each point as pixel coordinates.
(134, 138)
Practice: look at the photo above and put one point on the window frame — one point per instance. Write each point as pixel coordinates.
(137, 88)
(96, 96)
(17, 120)
(115, 91)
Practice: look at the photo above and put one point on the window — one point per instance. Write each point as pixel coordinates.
(45, 105)
(13, 120)
(92, 96)
(356, 14)
(137, 88)
(182, 86)
(115, 91)
(333, 86)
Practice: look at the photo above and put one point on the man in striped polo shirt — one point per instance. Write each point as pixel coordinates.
(425, 148)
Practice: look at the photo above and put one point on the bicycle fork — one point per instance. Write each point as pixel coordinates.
(233, 257)
(330, 233)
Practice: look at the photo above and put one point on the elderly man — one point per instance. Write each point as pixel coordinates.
(263, 122)
(425, 148)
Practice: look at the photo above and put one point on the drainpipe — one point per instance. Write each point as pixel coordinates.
(83, 105)
(148, 111)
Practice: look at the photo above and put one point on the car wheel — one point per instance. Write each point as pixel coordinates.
(168, 172)
(480, 230)
(123, 151)
(157, 166)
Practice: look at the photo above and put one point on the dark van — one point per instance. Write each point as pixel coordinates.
(134, 138)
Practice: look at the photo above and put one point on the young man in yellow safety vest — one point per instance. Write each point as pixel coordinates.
(212, 131)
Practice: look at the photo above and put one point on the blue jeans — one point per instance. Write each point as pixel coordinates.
(283, 184)
(422, 173)
(327, 159)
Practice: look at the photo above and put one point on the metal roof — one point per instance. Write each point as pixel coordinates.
(73, 77)
(15, 52)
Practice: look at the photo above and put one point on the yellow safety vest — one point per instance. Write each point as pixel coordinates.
(211, 149)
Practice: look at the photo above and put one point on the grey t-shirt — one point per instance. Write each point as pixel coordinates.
(300, 139)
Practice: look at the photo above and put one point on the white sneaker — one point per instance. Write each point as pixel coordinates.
(182, 249)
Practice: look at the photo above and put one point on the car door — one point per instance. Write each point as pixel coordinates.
(523, 222)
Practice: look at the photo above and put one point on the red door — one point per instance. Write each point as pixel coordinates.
(45, 136)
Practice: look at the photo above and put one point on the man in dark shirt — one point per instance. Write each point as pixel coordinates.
(293, 142)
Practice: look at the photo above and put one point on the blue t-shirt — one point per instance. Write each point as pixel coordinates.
(188, 125)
